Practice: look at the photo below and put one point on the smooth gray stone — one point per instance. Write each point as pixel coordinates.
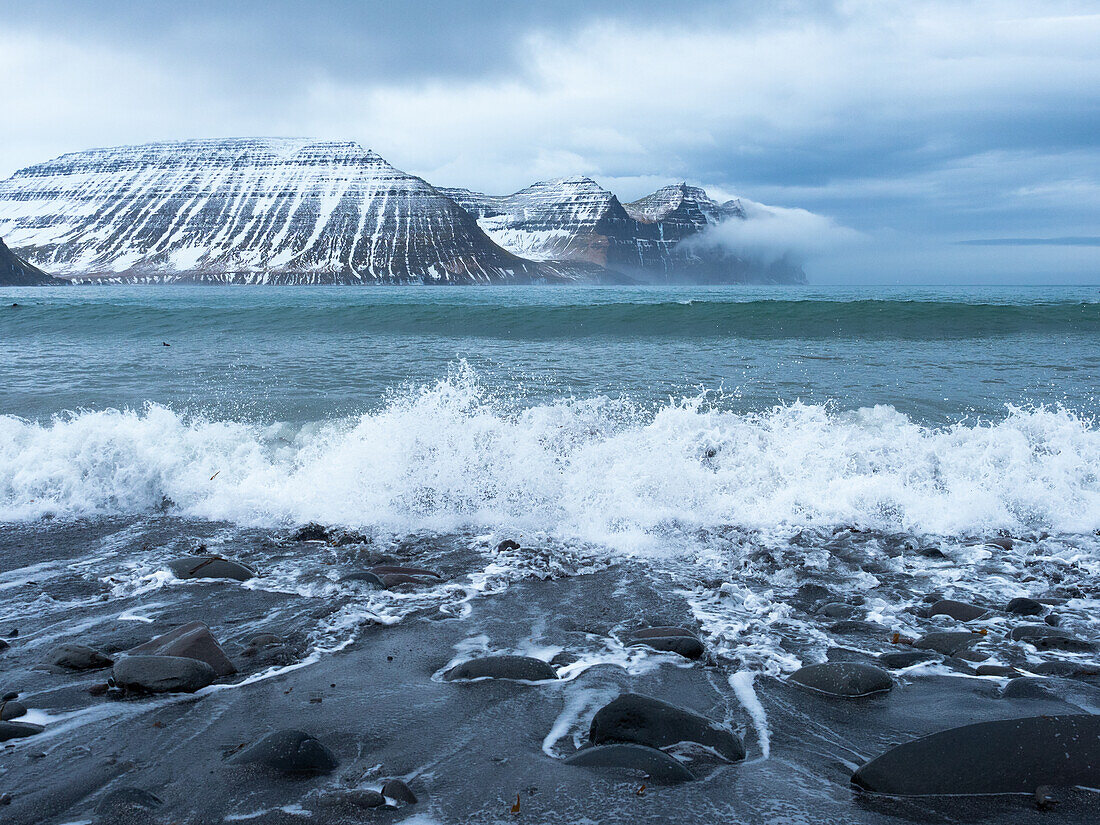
(657, 765)
(77, 657)
(210, 567)
(906, 658)
(192, 641)
(1045, 637)
(998, 670)
(365, 577)
(669, 640)
(1005, 756)
(12, 710)
(949, 643)
(959, 611)
(647, 721)
(289, 751)
(396, 789)
(396, 570)
(856, 627)
(1067, 669)
(162, 674)
(1032, 631)
(845, 679)
(516, 668)
(358, 798)
(838, 610)
(1024, 607)
(1028, 687)
(127, 798)
(17, 730)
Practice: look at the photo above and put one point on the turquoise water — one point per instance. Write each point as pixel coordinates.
(309, 354)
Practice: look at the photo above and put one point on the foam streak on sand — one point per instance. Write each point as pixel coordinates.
(450, 455)
(741, 682)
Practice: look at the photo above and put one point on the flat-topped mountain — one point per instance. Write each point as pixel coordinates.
(14, 271)
(247, 210)
(292, 211)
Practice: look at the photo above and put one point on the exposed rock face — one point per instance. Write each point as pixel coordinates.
(575, 221)
(14, 271)
(245, 210)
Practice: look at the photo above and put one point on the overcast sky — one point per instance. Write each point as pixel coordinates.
(910, 129)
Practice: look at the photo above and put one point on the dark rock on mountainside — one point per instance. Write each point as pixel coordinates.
(288, 751)
(847, 679)
(14, 271)
(247, 210)
(646, 721)
(1000, 757)
(656, 765)
(516, 668)
(162, 674)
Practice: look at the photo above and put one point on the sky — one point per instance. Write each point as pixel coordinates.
(911, 142)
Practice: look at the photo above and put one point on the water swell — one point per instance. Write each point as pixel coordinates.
(755, 319)
(451, 455)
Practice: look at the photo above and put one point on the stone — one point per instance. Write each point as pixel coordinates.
(162, 674)
(1024, 607)
(77, 657)
(11, 709)
(507, 545)
(1028, 687)
(191, 641)
(210, 567)
(364, 577)
(897, 660)
(856, 627)
(357, 798)
(3, 646)
(1066, 669)
(1002, 671)
(127, 800)
(838, 610)
(846, 679)
(1000, 757)
(515, 668)
(399, 791)
(949, 643)
(17, 730)
(643, 720)
(1045, 637)
(658, 766)
(310, 532)
(668, 639)
(959, 611)
(288, 751)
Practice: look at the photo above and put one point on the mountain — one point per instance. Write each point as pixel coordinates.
(14, 271)
(575, 221)
(246, 210)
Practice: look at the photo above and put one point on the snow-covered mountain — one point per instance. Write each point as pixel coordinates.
(575, 220)
(14, 271)
(247, 210)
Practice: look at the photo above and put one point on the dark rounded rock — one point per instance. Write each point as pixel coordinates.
(1053, 619)
(356, 798)
(1003, 542)
(17, 730)
(1002, 671)
(1066, 669)
(384, 570)
(669, 640)
(857, 627)
(398, 790)
(162, 674)
(658, 766)
(838, 610)
(127, 800)
(959, 611)
(12, 710)
(506, 545)
(846, 679)
(210, 567)
(906, 658)
(515, 668)
(288, 751)
(3, 645)
(77, 657)
(191, 641)
(1028, 687)
(365, 577)
(1032, 631)
(1001, 757)
(1024, 607)
(9, 696)
(647, 721)
(846, 654)
(949, 643)
(310, 532)
(1045, 637)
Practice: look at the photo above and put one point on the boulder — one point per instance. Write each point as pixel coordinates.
(191, 641)
(949, 643)
(77, 657)
(210, 567)
(1000, 757)
(1024, 607)
(896, 660)
(17, 730)
(397, 790)
(1045, 637)
(162, 674)
(515, 668)
(846, 679)
(959, 611)
(656, 765)
(646, 721)
(11, 709)
(668, 639)
(288, 751)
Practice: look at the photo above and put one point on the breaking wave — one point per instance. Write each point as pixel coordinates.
(451, 456)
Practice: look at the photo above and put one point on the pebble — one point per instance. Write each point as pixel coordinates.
(959, 611)
(1024, 607)
(643, 720)
(658, 766)
(668, 639)
(949, 643)
(906, 658)
(515, 668)
(288, 751)
(10, 709)
(507, 545)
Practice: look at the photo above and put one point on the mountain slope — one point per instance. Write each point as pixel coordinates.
(14, 271)
(245, 210)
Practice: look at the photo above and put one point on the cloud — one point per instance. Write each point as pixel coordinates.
(774, 232)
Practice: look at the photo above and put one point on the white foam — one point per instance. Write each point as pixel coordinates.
(741, 682)
(599, 470)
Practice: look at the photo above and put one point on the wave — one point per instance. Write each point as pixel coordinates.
(450, 455)
(766, 319)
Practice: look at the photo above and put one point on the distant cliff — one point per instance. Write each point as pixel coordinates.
(14, 271)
